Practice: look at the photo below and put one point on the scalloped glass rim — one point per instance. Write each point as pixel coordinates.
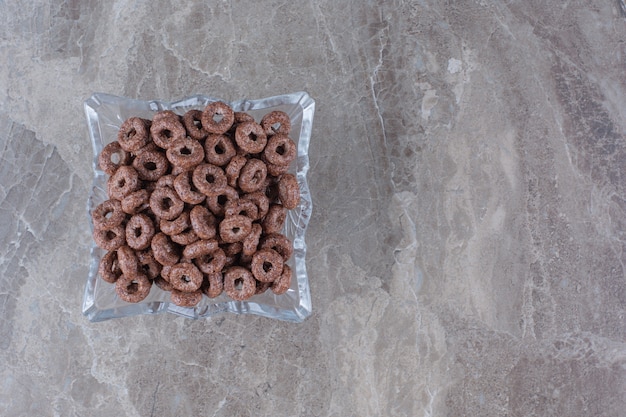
(105, 113)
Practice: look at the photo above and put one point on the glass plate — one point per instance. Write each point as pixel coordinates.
(105, 114)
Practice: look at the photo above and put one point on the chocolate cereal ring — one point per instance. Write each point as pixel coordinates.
(251, 242)
(203, 222)
(275, 219)
(260, 200)
(213, 284)
(151, 165)
(176, 226)
(183, 186)
(165, 115)
(209, 179)
(250, 137)
(276, 170)
(217, 203)
(185, 299)
(193, 124)
(212, 262)
(232, 249)
(110, 239)
(185, 276)
(123, 182)
(186, 237)
(219, 149)
(233, 169)
(217, 117)
(279, 243)
(280, 150)
(166, 181)
(139, 231)
(165, 203)
(235, 228)
(133, 289)
(127, 260)
(276, 122)
(283, 282)
(199, 248)
(289, 191)
(252, 176)
(239, 283)
(108, 214)
(133, 134)
(185, 153)
(163, 283)
(166, 130)
(147, 264)
(241, 207)
(267, 265)
(112, 157)
(136, 202)
(165, 251)
(241, 117)
(261, 287)
(109, 268)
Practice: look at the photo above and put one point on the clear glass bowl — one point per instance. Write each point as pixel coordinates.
(105, 114)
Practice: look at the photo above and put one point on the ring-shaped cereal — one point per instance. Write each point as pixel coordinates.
(109, 268)
(147, 263)
(165, 203)
(233, 169)
(164, 250)
(219, 149)
(235, 228)
(199, 248)
(127, 260)
(108, 214)
(213, 284)
(241, 117)
(110, 152)
(183, 186)
(166, 181)
(203, 222)
(136, 202)
(267, 265)
(276, 170)
(239, 284)
(186, 237)
(209, 179)
(260, 200)
(250, 137)
(123, 182)
(212, 262)
(151, 165)
(276, 122)
(217, 117)
(110, 239)
(279, 243)
(241, 207)
(185, 299)
(133, 289)
(185, 276)
(251, 242)
(166, 130)
(176, 226)
(283, 282)
(163, 283)
(139, 231)
(252, 176)
(289, 191)
(185, 153)
(275, 219)
(232, 249)
(217, 203)
(280, 150)
(193, 124)
(133, 134)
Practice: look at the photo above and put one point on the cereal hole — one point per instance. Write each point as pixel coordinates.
(166, 203)
(217, 117)
(116, 158)
(121, 182)
(219, 149)
(238, 284)
(222, 199)
(133, 287)
(280, 150)
(267, 266)
(210, 178)
(110, 235)
(150, 166)
(167, 133)
(132, 132)
(276, 126)
(137, 231)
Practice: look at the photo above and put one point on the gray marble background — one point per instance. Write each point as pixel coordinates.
(467, 246)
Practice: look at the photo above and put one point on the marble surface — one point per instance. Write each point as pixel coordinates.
(467, 245)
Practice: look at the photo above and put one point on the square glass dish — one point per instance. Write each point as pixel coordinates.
(105, 113)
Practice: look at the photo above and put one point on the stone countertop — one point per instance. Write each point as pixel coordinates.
(466, 249)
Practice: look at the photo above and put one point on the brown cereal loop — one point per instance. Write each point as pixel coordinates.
(276, 170)
(241, 117)
(267, 265)
(185, 277)
(186, 237)
(123, 182)
(280, 150)
(108, 214)
(133, 134)
(163, 283)
(165, 203)
(176, 226)
(200, 247)
(110, 239)
(203, 222)
(165, 115)
(213, 284)
(239, 283)
(151, 165)
(136, 202)
(235, 228)
(147, 264)
(133, 289)
(252, 176)
(183, 186)
(251, 242)
(109, 268)
(217, 203)
(283, 282)
(276, 122)
(166, 130)
(185, 299)
(128, 262)
(209, 179)
(261, 287)
(260, 200)
(233, 169)
(111, 152)
(166, 181)
(185, 153)
(275, 219)
(250, 137)
(289, 191)
(212, 262)
(241, 207)
(139, 231)
(165, 251)
(193, 124)
(279, 243)
(232, 249)
(219, 149)
(217, 117)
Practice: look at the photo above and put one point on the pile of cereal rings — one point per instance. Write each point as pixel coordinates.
(197, 204)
